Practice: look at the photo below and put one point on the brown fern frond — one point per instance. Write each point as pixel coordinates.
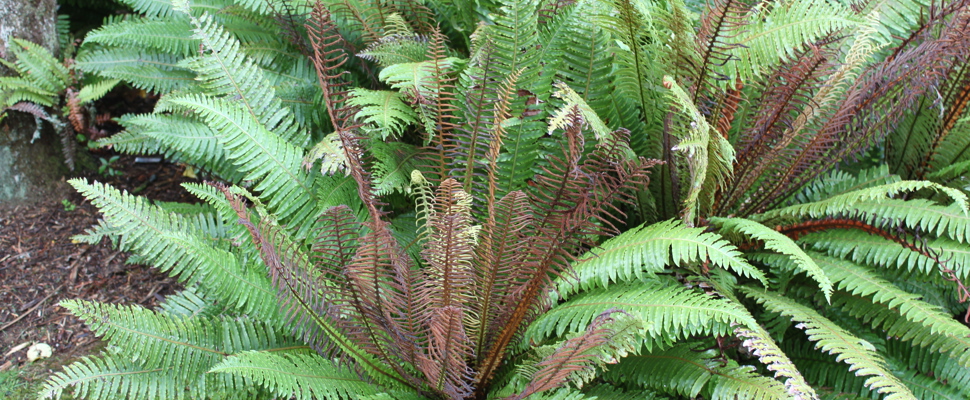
(445, 363)
(571, 356)
(550, 8)
(722, 20)
(448, 272)
(788, 89)
(871, 107)
(30, 108)
(288, 18)
(368, 17)
(500, 265)
(437, 97)
(328, 57)
(573, 201)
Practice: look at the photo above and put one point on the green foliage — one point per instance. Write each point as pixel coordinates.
(478, 226)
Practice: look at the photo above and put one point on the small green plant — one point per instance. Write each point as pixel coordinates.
(68, 205)
(107, 166)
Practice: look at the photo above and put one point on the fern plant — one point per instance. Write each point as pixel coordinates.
(412, 209)
(46, 88)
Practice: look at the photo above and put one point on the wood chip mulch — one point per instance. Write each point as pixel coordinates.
(40, 265)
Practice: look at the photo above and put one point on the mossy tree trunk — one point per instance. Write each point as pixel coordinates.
(28, 170)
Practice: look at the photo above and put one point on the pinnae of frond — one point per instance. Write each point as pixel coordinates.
(328, 57)
(439, 91)
(912, 241)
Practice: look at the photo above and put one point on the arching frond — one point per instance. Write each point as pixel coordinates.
(648, 249)
(668, 311)
(773, 240)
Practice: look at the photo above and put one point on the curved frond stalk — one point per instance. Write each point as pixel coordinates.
(647, 250)
(773, 240)
(858, 353)
(759, 342)
(848, 202)
(294, 374)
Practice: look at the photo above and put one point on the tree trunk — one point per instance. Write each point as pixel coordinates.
(28, 171)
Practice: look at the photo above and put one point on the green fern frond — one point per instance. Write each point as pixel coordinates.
(265, 158)
(226, 71)
(669, 311)
(393, 163)
(94, 91)
(384, 109)
(188, 346)
(939, 365)
(646, 250)
(185, 137)
(113, 377)
(37, 65)
(169, 243)
(927, 388)
(849, 202)
(397, 48)
(165, 9)
(839, 182)
(297, 374)
(170, 36)
(757, 340)
(863, 248)
(858, 353)
(773, 240)
(777, 32)
(148, 70)
(189, 303)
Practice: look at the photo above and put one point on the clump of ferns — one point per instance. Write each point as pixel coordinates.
(48, 89)
(443, 321)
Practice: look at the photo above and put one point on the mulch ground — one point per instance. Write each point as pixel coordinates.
(40, 266)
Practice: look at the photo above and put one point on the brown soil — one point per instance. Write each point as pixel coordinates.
(40, 265)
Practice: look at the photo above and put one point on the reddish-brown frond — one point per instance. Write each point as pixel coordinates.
(328, 57)
(445, 363)
(448, 253)
(500, 265)
(788, 89)
(572, 202)
(722, 21)
(571, 356)
(437, 97)
(870, 108)
(302, 296)
(550, 8)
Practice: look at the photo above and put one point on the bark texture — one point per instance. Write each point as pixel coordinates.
(28, 171)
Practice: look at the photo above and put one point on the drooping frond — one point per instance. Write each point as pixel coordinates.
(773, 240)
(170, 36)
(304, 296)
(759, 342)
(858, 353)
(150, 70)
(113, 376)
(649, 249)
(297, 374)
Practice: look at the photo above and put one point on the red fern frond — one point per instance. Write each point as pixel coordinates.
(573, 355)
(445, 363)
